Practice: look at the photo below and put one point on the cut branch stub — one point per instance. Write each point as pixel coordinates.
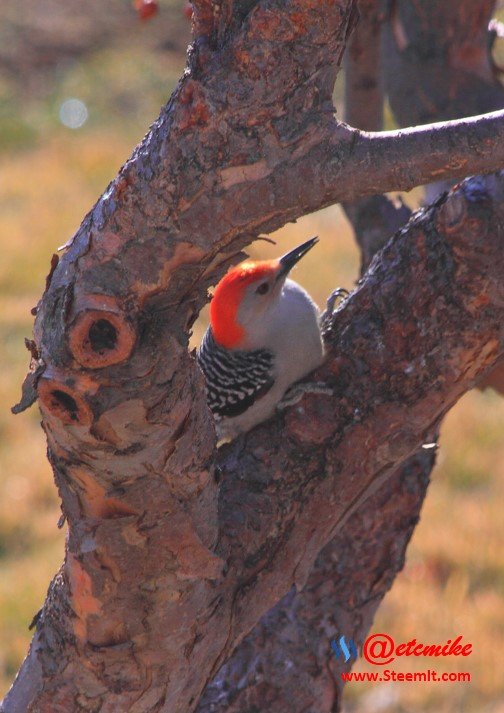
(101, 335)
(56, 398)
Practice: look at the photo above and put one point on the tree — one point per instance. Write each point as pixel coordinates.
(175, 549)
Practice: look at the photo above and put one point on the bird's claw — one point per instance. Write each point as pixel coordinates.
(340, 293)
(297, 391)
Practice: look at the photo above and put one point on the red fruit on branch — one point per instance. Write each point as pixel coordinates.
(188, 11)
(146, 9)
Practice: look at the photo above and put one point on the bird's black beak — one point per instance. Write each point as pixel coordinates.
(288, 260)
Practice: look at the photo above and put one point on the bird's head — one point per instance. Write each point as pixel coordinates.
(245, 296)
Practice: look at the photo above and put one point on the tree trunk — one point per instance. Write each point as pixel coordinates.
(176, 550)
(256, 677)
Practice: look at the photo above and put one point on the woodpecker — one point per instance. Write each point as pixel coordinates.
(264, 335)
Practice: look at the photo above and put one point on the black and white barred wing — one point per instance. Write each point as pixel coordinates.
(234, 379)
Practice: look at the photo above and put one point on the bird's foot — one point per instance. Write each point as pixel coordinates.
(296, 392)
(338, 295)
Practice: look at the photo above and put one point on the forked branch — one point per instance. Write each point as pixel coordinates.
(164, 574)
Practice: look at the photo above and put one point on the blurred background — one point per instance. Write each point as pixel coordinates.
(79, 85)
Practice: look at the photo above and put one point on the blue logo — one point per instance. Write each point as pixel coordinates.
(341, 648)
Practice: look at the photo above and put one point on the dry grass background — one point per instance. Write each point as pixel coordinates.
(453, 581)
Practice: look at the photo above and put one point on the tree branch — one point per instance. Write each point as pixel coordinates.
(437, 61)
(163, 575)
(341, 595)
(404, 158)
(457, 74)
(397, 365)
(328, 489)
(374, 218)
(363, 76)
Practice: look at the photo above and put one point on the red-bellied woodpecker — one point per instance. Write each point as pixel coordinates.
(264, 335)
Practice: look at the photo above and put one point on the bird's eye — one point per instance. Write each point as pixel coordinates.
(263, 288)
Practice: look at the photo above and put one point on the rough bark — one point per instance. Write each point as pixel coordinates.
(287, 488)
(438, 64)
(438, 60)
(164, 572)
(363, 75)
(285, 663)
